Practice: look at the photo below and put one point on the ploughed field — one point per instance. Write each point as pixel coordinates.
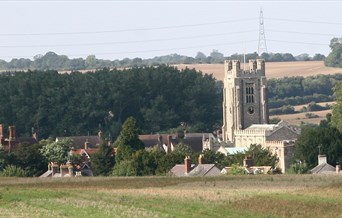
(225, 196)
(273, 69)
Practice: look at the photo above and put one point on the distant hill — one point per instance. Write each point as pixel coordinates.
(273, 69)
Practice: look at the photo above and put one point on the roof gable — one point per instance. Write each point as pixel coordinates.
(323, 168)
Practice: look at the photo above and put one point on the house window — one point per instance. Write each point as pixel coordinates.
(249, 92)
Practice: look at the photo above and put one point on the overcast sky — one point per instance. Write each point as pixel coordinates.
(119, 29)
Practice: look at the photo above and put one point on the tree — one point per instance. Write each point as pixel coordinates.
(91, 62)
(182, 149)
(334, 59)
(128, 141)
(262, 156)
(200, 56)
(216, 56)
(103, 161)
(318, 57)
(2, 158)
(314, 139)
(28, 157)
(213, 157)
(336, 119)
(56, 151)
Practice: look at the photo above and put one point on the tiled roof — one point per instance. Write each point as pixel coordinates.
(203, 169)
(199, 170)
(29, 140)
(323, 168)
(89, 151)
(78, 141)
(179, 170)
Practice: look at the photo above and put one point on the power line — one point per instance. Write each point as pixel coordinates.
(125, 42)
(303, 33)
(126, 30)
(153, 50)
(291, 42)
(303, 21)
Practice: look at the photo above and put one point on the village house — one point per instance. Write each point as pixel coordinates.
(188, 169)
(10, 143)
(196, 141)
(324, 168)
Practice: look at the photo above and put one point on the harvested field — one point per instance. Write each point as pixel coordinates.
(273, 69)
(298, 118)
(224, 196)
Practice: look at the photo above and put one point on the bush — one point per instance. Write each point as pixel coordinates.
(299, 168)
(13, 171)
(124, 168)
(237, 170)
(311, 115)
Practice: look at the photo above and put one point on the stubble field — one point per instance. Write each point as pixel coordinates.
(225, 196)
(273, 69)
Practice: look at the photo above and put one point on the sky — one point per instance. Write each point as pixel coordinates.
(119, 29)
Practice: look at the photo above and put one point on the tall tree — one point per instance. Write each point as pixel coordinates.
(102, 162)
(128, 141)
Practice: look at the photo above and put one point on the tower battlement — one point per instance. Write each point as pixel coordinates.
(256, 68)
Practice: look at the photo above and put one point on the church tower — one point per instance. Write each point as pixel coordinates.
(244, 97)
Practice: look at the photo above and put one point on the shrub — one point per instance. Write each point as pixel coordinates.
(299, 168)
(124, 168)
(236, 170)
(311, 115)
(13, 171)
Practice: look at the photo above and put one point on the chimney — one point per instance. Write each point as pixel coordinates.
(1, 131)
(2, 137)
(169, 139)
(86, 144)
(11, 133)
(100, 135)
(54, 168)
(201, 159)
(64, 170)
(322, 159)
(35, 136)
(70, 169)
(338, 168)
(248, 161)
(187, 164)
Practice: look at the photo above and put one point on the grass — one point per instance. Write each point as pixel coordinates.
(226, 196)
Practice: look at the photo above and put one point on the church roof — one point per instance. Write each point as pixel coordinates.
(263, 126)
(235, 150)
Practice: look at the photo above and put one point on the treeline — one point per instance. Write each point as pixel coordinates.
(301, 90)
(160, 98)
(53, 61)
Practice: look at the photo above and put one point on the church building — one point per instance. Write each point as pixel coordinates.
(245, 113)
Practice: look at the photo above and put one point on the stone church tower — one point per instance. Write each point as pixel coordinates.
(244, 97)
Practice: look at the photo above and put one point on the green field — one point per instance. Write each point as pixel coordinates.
(226, 196)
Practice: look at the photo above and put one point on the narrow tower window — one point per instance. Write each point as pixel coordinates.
(249, 92)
